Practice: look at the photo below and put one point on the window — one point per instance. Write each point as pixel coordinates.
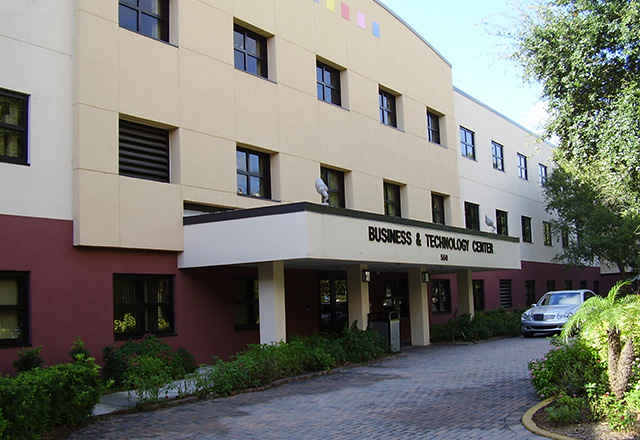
(523, 173)
(392, 200)
(437, 209)
(142, 304)
(530, 292)
(13, 127)
(546, 228)
(253, 174)
(14, 317)
(497, 154)
(472, 216)
(542, 170)
(143, 152)
(246, 310)
(565, 237)
(502, 222)
(467, 143)
(478, 295)
(433, 127)
(250, 51)
(505, 294)
(388, 108)
(568, 284)
(526, 229)
(335, 182)
(147, 17)
(328, 81)
(440, 296)
(551, 285)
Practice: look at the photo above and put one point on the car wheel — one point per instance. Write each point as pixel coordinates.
(527, 334)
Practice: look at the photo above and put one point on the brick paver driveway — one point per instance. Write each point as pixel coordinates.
(454, 392)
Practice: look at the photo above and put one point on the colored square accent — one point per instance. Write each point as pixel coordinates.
(345, 12)
(375, 29)
(361, 20)
(317, 1)
(331, 5)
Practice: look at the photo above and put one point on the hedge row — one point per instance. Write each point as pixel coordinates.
(38, 400)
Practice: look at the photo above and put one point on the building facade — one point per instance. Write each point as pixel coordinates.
(161, 165)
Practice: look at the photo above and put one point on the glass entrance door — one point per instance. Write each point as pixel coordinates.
(334, 311)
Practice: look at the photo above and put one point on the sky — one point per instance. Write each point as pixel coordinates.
(463, 32)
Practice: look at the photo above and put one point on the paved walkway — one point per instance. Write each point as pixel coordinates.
(438, 392)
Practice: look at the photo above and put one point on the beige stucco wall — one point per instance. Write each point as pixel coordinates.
(192, 88)
(36, 44)
(504, 190)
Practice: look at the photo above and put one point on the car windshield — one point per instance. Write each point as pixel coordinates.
(561, 299)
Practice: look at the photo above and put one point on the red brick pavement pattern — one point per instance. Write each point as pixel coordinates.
(440, 392)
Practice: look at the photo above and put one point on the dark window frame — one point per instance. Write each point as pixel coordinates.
(160, 31)
(142, 307)
(523, 169)
(245, 57)
(334, 180)
(467, 143)
(546, 230)
(21, 129)
(328, 84)
(433, 127)
(392, 200)
(440, 296)
(388, 108)
(21, 309)
(438, 209)
(542, 172)
(143, 152)
(506, 293)
(248, 300)
(497, 155)
(502, 222)
(527, 234)
(472, 216)
(262, 176)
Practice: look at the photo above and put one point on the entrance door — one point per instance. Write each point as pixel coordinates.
(478, 294)
(334, 311)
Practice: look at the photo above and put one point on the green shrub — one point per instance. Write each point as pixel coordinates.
(484, 325)
(261, 364)
(147, 376)
(567, 410)
(361, 345)
(78, 349)
(39, 399)
(567, 369)
(28, 359)
(118, 360)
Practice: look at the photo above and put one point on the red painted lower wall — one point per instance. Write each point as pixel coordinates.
(71, 293)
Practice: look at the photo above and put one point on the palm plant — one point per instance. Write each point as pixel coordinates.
(610, 325)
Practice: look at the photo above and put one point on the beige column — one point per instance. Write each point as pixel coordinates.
(357, 296)
(273, 324)
(418, 307)
(465, 292)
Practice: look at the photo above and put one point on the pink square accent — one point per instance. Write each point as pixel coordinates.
(345, 11)
(361, 20)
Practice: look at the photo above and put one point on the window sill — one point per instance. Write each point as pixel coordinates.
(392, 127)
(257, 76)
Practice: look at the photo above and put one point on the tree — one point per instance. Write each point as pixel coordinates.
(610, 325)
(599, 230)
(586, 55)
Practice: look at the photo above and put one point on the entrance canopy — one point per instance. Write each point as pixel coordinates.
(306, 235)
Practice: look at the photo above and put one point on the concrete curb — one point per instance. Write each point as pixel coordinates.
(527, 421)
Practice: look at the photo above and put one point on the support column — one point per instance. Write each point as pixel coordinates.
(273, 324)
(465, 292)
(357, 296)
(418, 307)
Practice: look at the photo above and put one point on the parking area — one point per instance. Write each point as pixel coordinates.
(448, 391)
